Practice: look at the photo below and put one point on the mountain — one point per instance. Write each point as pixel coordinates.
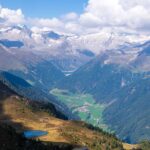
(29, 66)
(122, 87)
(67, 52)
(25, 89)
(130, 111)
(141, 63)
(90, 76)
(8, 90)
(19, 114)
(51, 35)
(48, 44)
(21, 86)
(96, 79)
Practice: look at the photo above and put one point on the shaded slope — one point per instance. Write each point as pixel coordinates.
(36, 69)
(131, 119)
(123, 90)
(97, 79)
(22, 87)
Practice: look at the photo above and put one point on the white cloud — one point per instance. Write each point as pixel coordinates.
(11, 16)
(89, 20)
(108, 12)
(70, 17)
(133, 14)
(42, 22)
(128, 4)
(130, 15)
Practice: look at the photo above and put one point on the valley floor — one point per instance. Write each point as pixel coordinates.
(83, 106)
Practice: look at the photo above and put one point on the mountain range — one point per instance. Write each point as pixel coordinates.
(99, 78)
(118, 79)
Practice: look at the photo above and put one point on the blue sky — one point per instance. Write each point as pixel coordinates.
(45, 8)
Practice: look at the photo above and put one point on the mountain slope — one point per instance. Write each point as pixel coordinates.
(29, 66)
(17, 112)
(131, 117)
(96, 78)
(15, 141)
(121, 87)
(25, 89)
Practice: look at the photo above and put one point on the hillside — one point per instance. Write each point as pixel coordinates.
(122, 89)
(24, 88)
(31, 67)
(97, 79)
(18, 113)
(11, 140)
(130, 117)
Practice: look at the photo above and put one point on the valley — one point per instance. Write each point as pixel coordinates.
(82, 105)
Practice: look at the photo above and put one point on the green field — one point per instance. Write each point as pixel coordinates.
(83, 105)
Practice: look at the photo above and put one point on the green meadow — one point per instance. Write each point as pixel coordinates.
(83, 105)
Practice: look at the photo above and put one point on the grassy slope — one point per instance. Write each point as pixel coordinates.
(83, 105)
(10, 140)
(131, 146)
(22, 117)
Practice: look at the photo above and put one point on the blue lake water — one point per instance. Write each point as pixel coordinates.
(34, 133)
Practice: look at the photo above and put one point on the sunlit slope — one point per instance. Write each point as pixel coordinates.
(23, 118)
(18, 113)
